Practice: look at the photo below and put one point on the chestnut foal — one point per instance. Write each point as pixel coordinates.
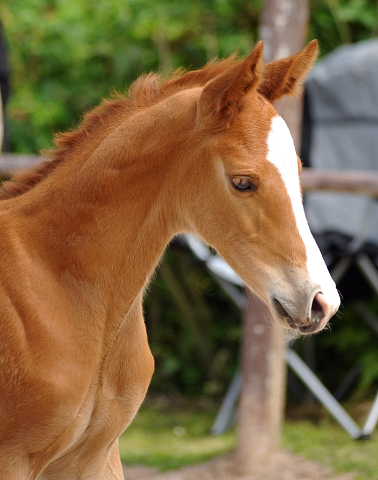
(202, 152)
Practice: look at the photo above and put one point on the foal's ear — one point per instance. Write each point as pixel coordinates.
(286, 76)
(222, 97)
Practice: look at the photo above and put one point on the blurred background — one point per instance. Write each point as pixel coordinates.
(65, 56)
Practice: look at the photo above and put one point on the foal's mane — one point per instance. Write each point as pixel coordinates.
(146, 91)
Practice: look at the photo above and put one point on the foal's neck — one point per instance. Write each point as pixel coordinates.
(106, 214)
(105, 221)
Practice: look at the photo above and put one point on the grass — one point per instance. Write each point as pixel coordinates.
(171, 439)
(168, 439)
(330, 445)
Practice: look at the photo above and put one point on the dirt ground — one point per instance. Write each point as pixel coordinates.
(282, 466)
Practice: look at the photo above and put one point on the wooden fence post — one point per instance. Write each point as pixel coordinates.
(262, 394)
(283, 26)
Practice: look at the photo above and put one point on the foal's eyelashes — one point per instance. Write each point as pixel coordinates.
(244, 184)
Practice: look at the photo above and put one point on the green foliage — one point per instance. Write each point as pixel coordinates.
(334, 22)
(67, 56)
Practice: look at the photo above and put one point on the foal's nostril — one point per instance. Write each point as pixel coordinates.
(317, 312)
(304, 321)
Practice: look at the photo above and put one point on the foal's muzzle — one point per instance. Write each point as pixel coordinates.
(311, 320)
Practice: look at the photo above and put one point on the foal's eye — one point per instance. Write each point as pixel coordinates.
(244, 184)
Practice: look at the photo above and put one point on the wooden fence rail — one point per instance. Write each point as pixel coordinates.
(11, 162)
(362, 182)
(351, 181)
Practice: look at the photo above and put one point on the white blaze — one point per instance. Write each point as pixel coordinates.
(281, 153)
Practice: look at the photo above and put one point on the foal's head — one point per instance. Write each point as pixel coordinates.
(208, 149)
(245, 195)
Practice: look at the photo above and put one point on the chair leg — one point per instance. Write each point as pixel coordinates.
(369, 270)
(371, 420)
(225, 416)
(323, 395)
(341, 267)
